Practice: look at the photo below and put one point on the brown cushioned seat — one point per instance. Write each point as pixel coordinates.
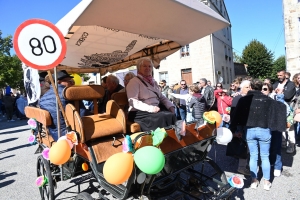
(121, 99)
(43, 117)
(98, 129)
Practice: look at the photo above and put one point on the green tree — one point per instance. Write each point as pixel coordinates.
(259, 60)
(236, 58)
(278, 64)
(11, 72)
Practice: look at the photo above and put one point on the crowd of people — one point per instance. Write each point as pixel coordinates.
(257, 111)
(12, 105)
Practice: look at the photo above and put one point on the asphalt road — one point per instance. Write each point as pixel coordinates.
(18, 171)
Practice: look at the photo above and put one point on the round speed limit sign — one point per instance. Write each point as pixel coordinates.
(39, 44)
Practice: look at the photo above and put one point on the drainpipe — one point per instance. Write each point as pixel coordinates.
(212, 59)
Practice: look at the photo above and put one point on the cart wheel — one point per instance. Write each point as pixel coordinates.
(205, 181)
(83, 196)
(43, 169)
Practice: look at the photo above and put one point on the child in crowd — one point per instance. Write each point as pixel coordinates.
(195, 103)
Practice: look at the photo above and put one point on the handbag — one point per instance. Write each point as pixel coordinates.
(237, 148)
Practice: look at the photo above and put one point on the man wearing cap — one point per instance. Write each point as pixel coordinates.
(48, 102)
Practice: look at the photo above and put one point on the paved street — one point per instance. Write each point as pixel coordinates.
(18, 171)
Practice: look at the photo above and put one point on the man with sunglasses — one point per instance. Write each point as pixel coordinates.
(180, 103)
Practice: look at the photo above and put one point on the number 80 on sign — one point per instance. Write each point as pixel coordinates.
(39, 44)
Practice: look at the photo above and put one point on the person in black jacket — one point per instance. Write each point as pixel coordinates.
(289, 90)
(260, 115)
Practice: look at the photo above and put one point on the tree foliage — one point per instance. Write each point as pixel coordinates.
(236, 58)
(11, 72)
(278, 64)
(259, 60)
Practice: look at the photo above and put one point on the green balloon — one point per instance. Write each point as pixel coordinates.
(149, 159)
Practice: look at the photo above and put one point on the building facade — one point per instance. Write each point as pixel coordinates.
(291, 13)
(210, 57)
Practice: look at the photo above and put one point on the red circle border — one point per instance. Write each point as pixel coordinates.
(55, 29)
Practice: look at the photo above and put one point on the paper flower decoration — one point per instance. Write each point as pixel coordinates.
(228, 109)
(45, 153)
(158, 136)
(236, 181)
(127, 144)
(69, 141)
(32, 140)
(72, 137)
(41, 181)
(32, 123)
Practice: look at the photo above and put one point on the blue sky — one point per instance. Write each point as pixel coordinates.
(255, 19)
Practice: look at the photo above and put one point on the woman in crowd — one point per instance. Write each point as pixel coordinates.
(219, 86)
(259, 115)
(224, 103)
(276, 139)
(145, 99)
(233, 89)
(127, 78)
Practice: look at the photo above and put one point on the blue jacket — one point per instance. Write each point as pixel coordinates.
(48, 102)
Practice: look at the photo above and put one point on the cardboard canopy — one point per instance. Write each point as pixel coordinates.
(108, 35)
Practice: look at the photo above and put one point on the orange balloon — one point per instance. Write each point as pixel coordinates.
(118, 167)
(217, 117)
(60, 152)
(85, 167)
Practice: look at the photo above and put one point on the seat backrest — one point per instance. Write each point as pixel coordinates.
(84, 92)
(42, 116)
(75, 121)
(121, 99)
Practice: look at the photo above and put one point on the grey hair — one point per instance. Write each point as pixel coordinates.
(244, 83)
(113, 78)
(141, 61)
(129, 75)
(204, 80)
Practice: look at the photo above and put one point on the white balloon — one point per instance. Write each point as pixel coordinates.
(224, 135)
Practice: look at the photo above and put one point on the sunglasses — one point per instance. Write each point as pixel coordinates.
(218, 85)
(161, 83)
(182, 84)
(265, 89)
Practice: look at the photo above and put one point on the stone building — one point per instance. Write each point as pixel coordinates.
(210, 57)
(291, 13)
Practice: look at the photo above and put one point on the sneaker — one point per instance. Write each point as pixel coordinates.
(254, 184)
(12, 120)
(244, 171)
(267, 186)
(290, 148)
(277, 172)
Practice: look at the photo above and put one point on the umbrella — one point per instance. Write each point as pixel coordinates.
(108, 35)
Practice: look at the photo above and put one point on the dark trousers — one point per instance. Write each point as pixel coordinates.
(275, 150)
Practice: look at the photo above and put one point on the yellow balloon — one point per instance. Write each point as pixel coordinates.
(77, 79)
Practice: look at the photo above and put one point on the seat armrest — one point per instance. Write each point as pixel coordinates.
(114, 110)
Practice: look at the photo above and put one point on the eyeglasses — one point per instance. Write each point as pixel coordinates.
(265, 89)
(161, 83)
